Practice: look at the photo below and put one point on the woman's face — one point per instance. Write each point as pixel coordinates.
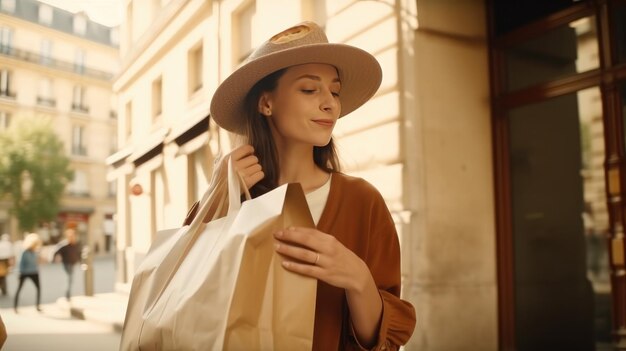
(305, 105)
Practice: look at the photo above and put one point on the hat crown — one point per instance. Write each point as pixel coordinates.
(305, 33)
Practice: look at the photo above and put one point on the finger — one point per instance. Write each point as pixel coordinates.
(303, 269)
(250, 170)
(251, 180)
(308, 238)
(298, 253)
(241, 152)
(246, 162)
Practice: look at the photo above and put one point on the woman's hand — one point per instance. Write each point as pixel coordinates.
(244, 162)
(309, 252)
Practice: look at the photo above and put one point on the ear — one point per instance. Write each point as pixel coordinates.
(265, 105)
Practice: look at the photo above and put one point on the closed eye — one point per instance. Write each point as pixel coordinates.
(308, 91)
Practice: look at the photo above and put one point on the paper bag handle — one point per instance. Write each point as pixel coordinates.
(235, 183)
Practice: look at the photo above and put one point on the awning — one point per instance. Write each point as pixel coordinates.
(193, 145)
(196, 123)
(126, 168)
(148, 148)
(115, 159)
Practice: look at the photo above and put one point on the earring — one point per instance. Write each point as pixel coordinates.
(268, 112)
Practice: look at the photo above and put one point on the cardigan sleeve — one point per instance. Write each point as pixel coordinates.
(383, 259)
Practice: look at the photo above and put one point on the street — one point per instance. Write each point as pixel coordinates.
(53, 328)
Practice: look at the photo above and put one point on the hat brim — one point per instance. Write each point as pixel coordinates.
(359, 72)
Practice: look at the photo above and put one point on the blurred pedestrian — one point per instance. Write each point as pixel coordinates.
(7, 259)
(69, 251)
(29, 267)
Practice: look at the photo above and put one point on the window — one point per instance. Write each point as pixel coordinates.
(8, 5)
(78, 139)
(45, 14)
(46, 51)
(129, 120)
(45, 93)
(560, 167)
(80, 24)
(563, 51)
(5, 84)
(5, 120)
(194, 67)
(157, 98)
(79, 61)
(6, 40)
(78, 100)
(245, 24)
(79, 185)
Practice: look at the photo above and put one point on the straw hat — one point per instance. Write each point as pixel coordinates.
(359, 72)
(31, 241)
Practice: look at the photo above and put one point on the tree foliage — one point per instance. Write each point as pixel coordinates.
(31, 153)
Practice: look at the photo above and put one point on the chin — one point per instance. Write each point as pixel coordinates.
(321, 143)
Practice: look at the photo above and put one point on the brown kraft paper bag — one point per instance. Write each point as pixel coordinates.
(220, 285)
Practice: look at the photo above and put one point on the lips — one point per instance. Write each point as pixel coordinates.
(325, 122)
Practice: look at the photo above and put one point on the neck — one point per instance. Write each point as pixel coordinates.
(297, 166)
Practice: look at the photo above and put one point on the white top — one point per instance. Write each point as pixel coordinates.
(316, 200)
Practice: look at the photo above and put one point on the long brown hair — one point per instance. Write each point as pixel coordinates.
(257, 133)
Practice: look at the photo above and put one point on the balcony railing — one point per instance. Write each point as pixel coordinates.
(79, 150)
(80, 108)
(79, 193)
(30, 56)
(44, 101)
(8, 95)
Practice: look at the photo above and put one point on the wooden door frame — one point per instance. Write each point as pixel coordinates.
(608, 78)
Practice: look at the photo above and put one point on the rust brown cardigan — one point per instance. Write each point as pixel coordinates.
(356, 214)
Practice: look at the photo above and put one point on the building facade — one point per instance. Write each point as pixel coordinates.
(496, 139)
(56, 65)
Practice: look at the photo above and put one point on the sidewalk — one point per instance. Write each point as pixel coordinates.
(108, 308)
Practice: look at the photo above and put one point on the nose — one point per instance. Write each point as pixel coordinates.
(330, 103)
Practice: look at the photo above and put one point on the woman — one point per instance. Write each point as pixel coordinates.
(284, 102)
(29, 267)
